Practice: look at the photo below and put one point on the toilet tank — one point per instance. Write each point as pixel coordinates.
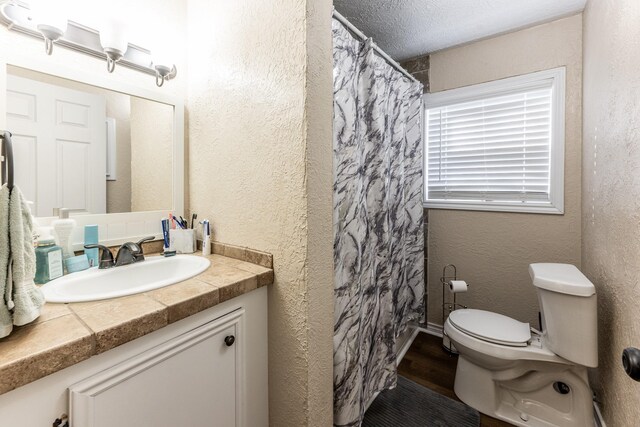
(569, 313)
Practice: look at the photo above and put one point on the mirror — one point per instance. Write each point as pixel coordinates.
(87, 148)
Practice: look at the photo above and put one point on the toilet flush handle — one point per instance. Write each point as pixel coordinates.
(631, 362)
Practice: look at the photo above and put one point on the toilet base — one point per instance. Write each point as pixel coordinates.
(523, 394)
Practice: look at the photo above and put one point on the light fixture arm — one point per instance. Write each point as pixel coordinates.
(164, 73)
(113, 56)
(48, 45)
(111, 64)
(50, 34)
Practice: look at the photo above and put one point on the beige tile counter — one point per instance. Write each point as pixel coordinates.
(66, 334)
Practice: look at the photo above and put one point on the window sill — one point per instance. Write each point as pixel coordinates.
(541, 208)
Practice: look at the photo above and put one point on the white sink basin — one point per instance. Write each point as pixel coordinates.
(153, 273)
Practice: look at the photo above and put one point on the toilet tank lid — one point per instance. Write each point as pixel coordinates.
(562, 278)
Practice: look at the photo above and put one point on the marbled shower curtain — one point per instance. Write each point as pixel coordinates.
(378, 223)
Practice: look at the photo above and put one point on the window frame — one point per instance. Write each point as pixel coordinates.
(476, 92)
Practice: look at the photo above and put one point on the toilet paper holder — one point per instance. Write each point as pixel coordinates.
(449, 273)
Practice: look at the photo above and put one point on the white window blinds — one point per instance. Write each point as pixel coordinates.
(492, 149)
(497, 146)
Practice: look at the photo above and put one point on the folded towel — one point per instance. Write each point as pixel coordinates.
(6, 323)
(27, 297)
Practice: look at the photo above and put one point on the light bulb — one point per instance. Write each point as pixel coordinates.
(113, 38)
(162, 58)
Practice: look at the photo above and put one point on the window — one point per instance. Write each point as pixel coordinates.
(497, 146)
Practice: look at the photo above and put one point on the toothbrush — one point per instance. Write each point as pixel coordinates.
(177, 221)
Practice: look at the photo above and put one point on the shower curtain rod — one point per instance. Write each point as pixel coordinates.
(380, 52)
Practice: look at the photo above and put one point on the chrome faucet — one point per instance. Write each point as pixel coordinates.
(128, 253)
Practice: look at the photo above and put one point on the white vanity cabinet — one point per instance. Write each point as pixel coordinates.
(191, 380)
(189, 373)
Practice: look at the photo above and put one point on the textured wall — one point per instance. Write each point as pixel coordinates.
(151, 155)
(419, 68)
(319, 156)
(611, 198)
(259, 111)
(119, 191)
(492, 250)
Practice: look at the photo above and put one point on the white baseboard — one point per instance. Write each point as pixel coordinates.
(407, 344)
(371, 400)
(431, 329)
(597, 416)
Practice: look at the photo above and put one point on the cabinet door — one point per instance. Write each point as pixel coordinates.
(192, 380)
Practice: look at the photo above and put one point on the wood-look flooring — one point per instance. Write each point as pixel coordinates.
(428, 364)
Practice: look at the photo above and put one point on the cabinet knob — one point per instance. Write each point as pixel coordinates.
(229, 340)
(631, 362)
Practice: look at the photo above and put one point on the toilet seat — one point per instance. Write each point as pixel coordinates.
(491, 327)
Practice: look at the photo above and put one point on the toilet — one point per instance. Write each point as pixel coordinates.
(510, 371)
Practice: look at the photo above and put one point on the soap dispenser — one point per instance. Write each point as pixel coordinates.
(62, 229)
(48, 258)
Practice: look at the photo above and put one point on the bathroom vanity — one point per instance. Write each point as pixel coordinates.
(192, 353)
(110, 147)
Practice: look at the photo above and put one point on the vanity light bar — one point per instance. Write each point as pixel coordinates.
(15, 15)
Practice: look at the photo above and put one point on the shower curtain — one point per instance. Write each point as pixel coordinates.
(378, 223)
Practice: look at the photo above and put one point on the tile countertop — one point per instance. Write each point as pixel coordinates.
(66, 334)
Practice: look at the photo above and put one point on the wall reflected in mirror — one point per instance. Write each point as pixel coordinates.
(88, 148)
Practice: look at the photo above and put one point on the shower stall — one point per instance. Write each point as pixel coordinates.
(377, 217)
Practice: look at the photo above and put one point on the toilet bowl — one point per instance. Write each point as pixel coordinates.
(529, 378)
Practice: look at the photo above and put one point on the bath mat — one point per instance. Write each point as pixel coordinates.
(412, 405)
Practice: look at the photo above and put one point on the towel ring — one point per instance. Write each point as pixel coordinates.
(7, 165)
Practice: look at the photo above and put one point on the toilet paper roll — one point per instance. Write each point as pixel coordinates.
(458, 286)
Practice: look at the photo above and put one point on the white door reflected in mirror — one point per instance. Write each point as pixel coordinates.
(60, 145)
(67, 156)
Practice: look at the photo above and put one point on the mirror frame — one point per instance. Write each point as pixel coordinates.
(114, 228)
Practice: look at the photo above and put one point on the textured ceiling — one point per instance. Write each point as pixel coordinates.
(409, 28)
